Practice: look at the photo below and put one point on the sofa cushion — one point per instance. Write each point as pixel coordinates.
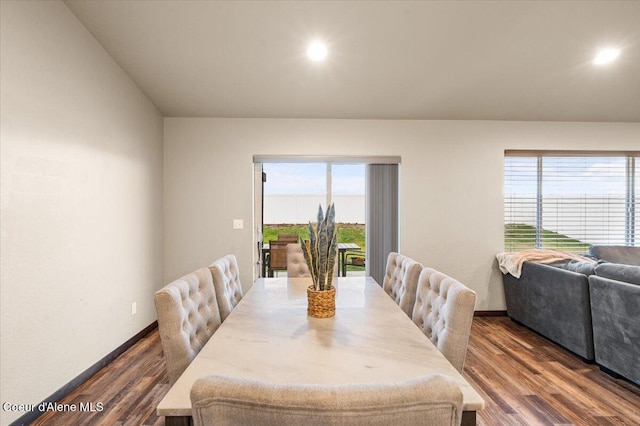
(617, 254)
(586, 268)
(577, 266)
(615, 271)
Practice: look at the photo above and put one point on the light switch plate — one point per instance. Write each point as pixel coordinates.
(238, 224)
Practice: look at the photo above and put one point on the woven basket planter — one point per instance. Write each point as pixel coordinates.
(321, 304)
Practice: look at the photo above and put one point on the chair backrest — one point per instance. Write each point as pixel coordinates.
(444, 312)
(296, 265)
(188, 316)
(401, 280)
(356, 258)
(433, 400)
(292, 238)
(226, 281)
(278, 255)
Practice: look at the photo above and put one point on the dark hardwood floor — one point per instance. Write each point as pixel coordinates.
(527, 380)
(130, 388)
(524, 379)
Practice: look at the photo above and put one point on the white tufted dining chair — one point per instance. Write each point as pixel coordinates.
(432, 400)
(188, 316)
(401, 280)
(296, 265)
(444, 312)
(226, 281)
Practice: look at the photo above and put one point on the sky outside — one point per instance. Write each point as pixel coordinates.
(311, 178)
(584, 175)
(563, 175)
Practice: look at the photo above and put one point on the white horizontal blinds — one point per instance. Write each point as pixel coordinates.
(569, 202)
(636, 203)
(520, 202)
(583, 202)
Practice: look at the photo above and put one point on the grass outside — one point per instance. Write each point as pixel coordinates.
(519, 236)
(347, 233)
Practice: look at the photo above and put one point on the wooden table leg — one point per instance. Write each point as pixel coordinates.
(468, 418)
(178, 421)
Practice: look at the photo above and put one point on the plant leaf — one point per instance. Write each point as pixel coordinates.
(306, 251)
(321, 253)
(332, 255)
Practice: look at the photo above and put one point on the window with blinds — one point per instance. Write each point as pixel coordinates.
(636, 201)
(570, 201)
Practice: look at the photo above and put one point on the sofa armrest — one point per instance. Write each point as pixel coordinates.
(555, 303)
(615, 308)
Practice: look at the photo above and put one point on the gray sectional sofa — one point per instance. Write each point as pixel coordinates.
(592, 309)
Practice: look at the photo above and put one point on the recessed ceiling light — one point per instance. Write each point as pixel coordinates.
(606, 56)
(317, 51)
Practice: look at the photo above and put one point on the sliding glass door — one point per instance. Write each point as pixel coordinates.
(289, 190)
(292, 193)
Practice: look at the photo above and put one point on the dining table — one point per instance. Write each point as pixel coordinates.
(269, 337)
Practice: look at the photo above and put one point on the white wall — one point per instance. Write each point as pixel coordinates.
(81, 202)
(451, 183)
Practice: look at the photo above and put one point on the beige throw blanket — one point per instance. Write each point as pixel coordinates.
(511, 262)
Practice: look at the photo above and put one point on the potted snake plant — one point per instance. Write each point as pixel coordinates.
(320, 253)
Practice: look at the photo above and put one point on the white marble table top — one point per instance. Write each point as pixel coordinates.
(269, 337)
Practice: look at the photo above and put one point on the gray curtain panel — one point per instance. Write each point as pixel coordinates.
(381, 217)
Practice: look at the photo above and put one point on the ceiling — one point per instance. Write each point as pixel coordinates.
(471, 60)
